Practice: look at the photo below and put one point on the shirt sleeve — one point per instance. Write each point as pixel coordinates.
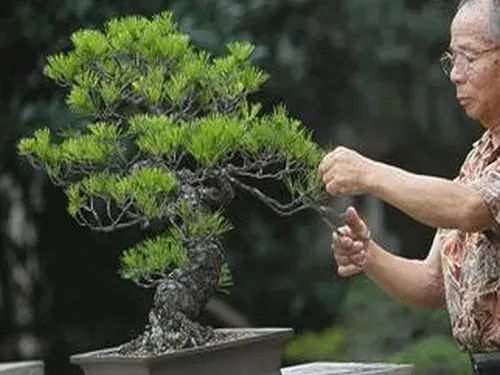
(488, 187)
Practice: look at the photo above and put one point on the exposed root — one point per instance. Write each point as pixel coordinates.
(163, 337)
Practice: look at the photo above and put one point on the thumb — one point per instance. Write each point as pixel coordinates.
(357, 225)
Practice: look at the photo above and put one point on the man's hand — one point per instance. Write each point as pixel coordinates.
(344, 171)
(350, 244)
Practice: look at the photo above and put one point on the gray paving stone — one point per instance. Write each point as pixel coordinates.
(326, 368)
(22, 368)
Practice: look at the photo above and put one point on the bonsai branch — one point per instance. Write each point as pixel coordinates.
(328, 215)
(288, 209)
(256, 170)
(123, 219)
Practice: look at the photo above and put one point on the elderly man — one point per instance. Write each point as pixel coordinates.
(462, 268)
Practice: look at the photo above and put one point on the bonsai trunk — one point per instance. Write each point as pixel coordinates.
(178, 301)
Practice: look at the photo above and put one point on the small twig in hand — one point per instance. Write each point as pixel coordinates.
(331, 217)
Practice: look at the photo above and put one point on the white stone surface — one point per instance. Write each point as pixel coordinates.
(22, 368)
(341, 368)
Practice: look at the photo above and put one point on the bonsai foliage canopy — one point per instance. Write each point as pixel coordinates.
(164, 135)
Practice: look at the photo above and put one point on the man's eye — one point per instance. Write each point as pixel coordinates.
(470, 55)
(470, 58)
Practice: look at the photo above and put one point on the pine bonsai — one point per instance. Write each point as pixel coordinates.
(165, 136)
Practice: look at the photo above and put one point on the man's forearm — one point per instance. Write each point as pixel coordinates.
(411, 281)
(434, 201)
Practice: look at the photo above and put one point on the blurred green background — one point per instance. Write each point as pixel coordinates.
(362, 73)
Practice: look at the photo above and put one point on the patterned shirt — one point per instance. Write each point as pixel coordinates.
(471, 261)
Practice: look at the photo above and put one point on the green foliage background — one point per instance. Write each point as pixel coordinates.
(360, 72)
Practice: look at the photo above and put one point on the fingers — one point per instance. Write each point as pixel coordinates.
(354, 254)
(345, 231)
(359, 259)
(329, 178)
(349, 254)
(324, 166)
(333, 188)
(347, 271)
(344, 241)
(357, 225)
(329, 159)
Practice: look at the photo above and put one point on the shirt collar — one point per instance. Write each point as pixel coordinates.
(494, 137)
(489, 137)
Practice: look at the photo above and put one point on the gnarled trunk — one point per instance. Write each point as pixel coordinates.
(178, 302)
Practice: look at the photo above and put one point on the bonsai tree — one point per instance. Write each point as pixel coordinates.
(164, 135)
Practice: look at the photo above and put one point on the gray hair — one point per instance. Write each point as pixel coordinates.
(494, 26)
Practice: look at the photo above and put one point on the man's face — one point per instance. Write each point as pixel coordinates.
(476, 71)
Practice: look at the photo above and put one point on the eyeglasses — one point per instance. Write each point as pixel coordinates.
(448, 60)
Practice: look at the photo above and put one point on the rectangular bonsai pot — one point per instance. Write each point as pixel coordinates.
(258, 354)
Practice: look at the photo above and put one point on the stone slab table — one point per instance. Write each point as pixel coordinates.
(22, 368)
(327, 368)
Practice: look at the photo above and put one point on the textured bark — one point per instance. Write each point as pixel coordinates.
(178, 301)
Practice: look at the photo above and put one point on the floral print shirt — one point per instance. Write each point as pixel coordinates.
(471, 261)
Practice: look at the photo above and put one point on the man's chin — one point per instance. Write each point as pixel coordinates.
(470, 111)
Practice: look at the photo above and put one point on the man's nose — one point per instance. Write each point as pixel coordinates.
(458, 74)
